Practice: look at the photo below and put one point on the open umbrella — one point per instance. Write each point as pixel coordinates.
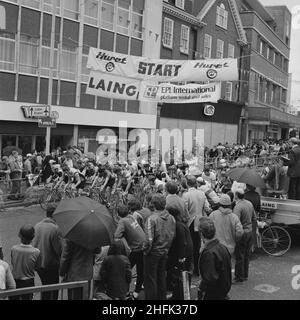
(248, 176)
(85, 222)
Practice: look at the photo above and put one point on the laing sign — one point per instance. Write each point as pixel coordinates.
(143, 68)
(105, 85)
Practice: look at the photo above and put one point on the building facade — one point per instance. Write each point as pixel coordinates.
(204, 30)
(123, 26)
(266, 71)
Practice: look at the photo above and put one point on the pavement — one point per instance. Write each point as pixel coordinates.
(270, 278)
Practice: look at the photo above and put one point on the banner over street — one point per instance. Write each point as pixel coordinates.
(144, 68)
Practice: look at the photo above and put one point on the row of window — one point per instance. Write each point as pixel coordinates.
(122, 16)
(168, 38)
(268, 92)
(272, 55)
(219, 48)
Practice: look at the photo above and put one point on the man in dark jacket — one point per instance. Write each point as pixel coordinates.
(294, 170)
(48, 240)
(180, 257)
(133, 233)
(160, 232)
(214, 265)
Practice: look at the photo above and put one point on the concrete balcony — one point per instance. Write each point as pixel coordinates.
(251, 20)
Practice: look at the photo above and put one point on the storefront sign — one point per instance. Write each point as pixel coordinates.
(47, 122)
(162, 70)
(170, 93)
(268, 205)
(36, 111)
(209, 110)
(101, 84)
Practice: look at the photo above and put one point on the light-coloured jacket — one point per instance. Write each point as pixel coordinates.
(229, 229)
(7, 281)
(197, 206)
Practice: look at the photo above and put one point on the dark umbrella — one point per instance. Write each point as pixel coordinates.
(248, 176)
(85, 222)
(9, 149)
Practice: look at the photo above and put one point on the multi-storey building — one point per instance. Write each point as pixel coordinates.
(268, 32)
(123, 26)
(204, 29)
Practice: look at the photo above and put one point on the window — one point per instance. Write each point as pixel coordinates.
(68, 63)
(28, 54)
(108, 14)
(123, 16)
(7, 51)
(220, 49)
(45, 60)
(84, 70)
(32, 3)
(283, 95)
(137, 19)
(71, 9)
(271, 54)
(207, 46)
(268, 52)
(137, 25)
(48, 6)
(261, 47)
(228, 91)
(168, 33)
(184, 39)
(179, 4)
(222, 16)
(231, 49)
(91, 12)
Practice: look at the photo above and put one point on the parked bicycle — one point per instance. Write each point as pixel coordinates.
(274, 240)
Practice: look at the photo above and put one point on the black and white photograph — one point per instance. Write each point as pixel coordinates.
(149, 153)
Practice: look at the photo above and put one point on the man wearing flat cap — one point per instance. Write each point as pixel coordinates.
(294, 170)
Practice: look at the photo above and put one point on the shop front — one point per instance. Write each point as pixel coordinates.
(29, 137)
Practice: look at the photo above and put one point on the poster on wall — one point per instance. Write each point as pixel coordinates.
(144, 68)
(105, 85)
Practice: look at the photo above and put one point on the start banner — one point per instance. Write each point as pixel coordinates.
(143, 68)
(105, 85)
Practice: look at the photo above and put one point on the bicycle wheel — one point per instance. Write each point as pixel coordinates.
(44, 199)
(50, 199)
(275, 241)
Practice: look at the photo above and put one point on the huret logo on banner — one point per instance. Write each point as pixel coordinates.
(110, 66)
(2, 18)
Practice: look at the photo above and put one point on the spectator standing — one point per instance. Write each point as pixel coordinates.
(228, 226)
(245, 212)
(15, 167)
(28, 164)
(180, 256)
(76, 264)
(294, 170)
(174, 201)
(160, 233)
(209, 177)
(48, 240)
(214, 265)
(116, 271)
(25, 260)
(129, 228)
(7, 281)
(197, 206)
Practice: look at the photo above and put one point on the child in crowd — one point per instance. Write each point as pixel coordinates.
(24, 260)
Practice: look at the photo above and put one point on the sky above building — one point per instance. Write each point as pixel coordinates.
(294, 7)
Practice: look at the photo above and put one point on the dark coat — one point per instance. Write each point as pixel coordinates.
(182, 246)
(174, 201)
(254, 198)
(215, 271)
(116, 274)
(76, 263)
(294, 163)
